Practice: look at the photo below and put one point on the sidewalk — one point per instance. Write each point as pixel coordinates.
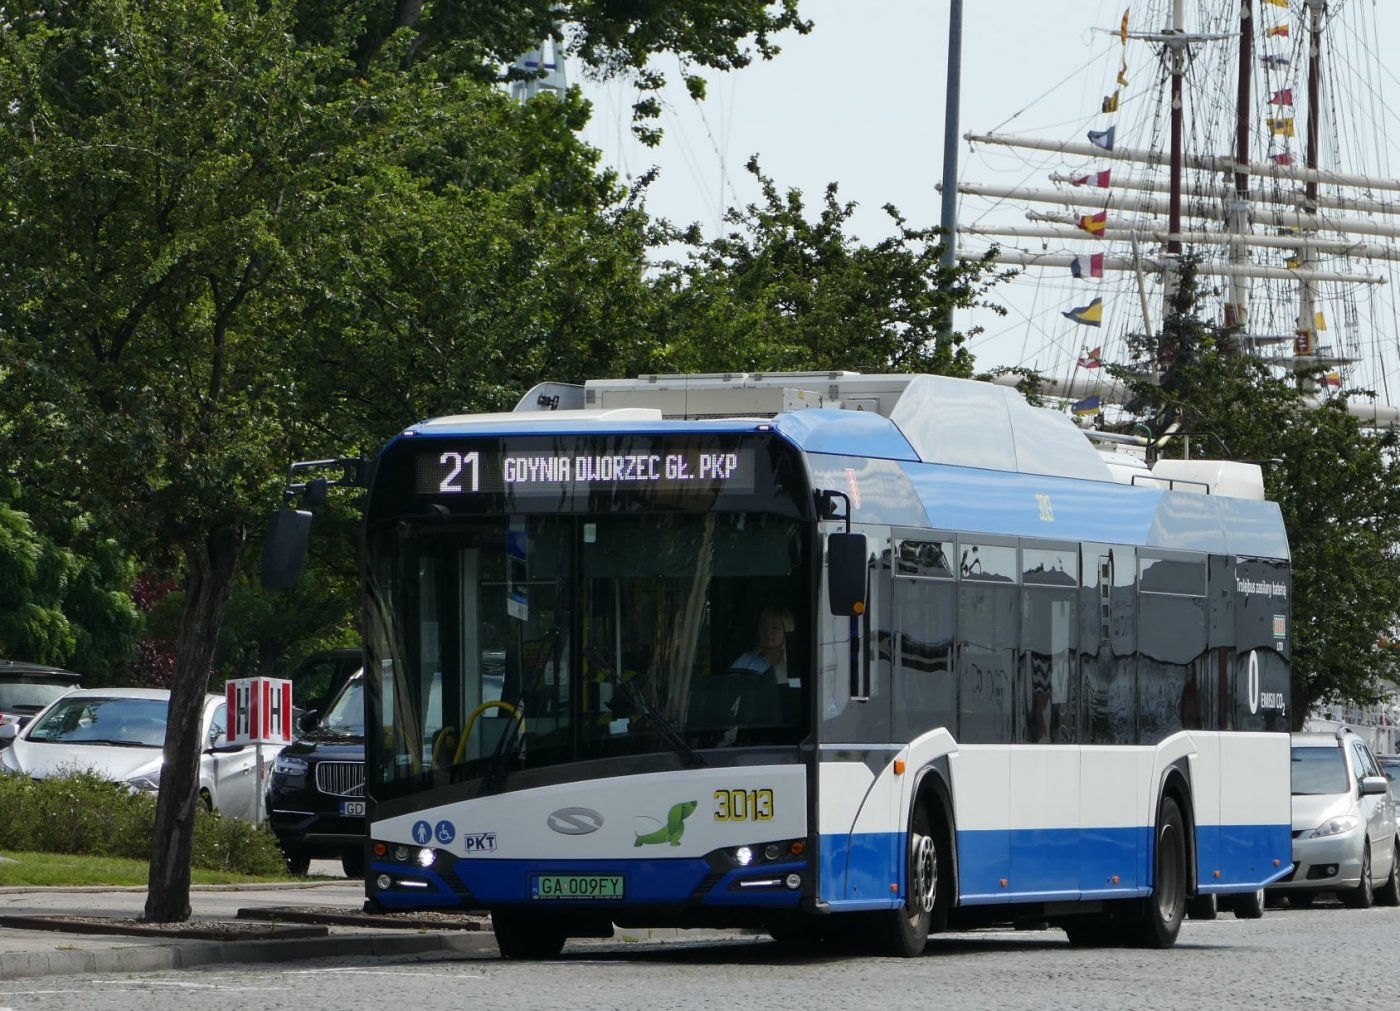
(27, 952)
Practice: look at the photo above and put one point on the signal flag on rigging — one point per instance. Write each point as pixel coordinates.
(1102, 138)
(1090, 359)
(1089, 315)
(1099, 179)
(1278, 30)
(1281, 125)
(1094, 224)
(1282, 97)
(1087, 266)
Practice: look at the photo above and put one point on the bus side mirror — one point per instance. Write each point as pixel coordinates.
(846, 573)
(284, 548)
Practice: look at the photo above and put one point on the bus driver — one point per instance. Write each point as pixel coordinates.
(769, 654)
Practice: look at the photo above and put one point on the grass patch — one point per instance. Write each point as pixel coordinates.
(37, 870)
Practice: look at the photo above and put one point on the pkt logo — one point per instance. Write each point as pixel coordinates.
(479, 842)
(574, 820)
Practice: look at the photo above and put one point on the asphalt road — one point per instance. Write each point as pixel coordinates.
(1323, 957)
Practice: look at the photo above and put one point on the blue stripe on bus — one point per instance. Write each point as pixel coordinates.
(1041, 865)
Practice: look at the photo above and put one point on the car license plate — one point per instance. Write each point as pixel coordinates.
(578, 886)
(352, 808)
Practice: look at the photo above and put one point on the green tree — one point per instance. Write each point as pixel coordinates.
(781, 292)
(1337, 485)
(60, 604)
(239, 232)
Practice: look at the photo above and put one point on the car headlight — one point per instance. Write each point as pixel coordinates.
(1335, 826)
(149, 783)
(288, 766)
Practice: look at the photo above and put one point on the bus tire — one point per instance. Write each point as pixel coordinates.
(525, 935)
(1249, 906)
(906, 929)
(1160, 914)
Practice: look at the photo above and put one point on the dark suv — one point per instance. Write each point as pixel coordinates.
(26, 688)
(316, 794)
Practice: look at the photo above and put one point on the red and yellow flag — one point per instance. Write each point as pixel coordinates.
(1094, 224)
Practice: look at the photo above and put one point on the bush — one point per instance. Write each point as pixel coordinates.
(231, 844)
(83, 814)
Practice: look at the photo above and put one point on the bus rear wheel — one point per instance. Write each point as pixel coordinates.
(1161, 913)
(906, 929)
(525, 935)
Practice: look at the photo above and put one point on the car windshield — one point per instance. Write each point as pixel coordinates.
(88, 720)
(346, 715)
(1318, 771)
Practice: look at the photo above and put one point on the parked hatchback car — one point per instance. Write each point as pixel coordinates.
(26, 688)
(316, 793)
(1344, 824)
(119, 734)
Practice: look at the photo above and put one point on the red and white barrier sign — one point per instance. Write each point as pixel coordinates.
(259, 711)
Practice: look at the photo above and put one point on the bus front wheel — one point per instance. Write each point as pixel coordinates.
(907, 928)
(1161, 913)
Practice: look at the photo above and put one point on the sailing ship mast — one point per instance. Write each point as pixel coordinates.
(1297, 217)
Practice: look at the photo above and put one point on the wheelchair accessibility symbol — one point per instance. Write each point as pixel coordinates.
(422, 833)
(446, 832)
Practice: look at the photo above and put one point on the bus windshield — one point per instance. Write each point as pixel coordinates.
(559, 639)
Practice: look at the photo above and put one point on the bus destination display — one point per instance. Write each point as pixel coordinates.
(454, 470)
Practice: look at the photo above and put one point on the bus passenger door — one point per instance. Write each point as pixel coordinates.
(857, 806)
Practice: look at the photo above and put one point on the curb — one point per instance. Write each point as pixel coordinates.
(187, 955)
(255, 886)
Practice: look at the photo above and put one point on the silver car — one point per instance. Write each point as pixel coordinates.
(1344, 827)
(119, 734)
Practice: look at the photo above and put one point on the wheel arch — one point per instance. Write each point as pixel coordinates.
(933, 786)
(1176, 784)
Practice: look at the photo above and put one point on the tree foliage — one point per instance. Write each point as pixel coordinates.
(1337, 485)
(781, 292)
(241, 232)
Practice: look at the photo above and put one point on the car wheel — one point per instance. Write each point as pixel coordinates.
(1362, 896)
(1249, 906)
(352, 862)
(1161, 913)
(1389, 893)
(298, 861)
(206, 800)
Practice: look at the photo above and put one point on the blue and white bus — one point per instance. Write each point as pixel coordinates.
(1016, 683)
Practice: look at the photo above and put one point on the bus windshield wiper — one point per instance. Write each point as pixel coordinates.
(662, 725)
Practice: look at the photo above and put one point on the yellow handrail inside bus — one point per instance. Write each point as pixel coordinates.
(471, 721)
(447, 736)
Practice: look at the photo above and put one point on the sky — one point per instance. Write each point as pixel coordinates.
(860, 101)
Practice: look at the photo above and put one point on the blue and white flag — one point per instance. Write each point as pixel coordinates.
(1102, 138)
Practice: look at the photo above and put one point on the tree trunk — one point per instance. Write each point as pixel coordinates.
(210, 565)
